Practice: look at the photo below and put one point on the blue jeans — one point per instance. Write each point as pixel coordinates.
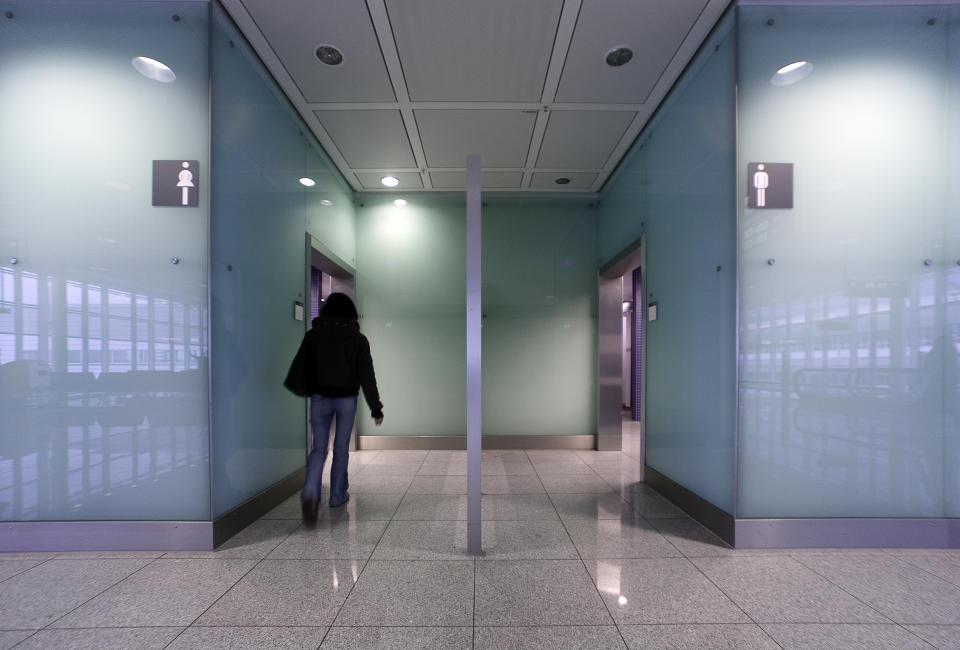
(322, 412)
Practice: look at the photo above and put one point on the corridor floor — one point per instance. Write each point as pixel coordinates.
(579, 554)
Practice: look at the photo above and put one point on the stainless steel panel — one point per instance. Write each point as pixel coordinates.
(609, 364)
(848, 533)
(61, 536)
(474, 341)
(393, 443)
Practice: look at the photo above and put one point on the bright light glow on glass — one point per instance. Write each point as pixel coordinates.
(399, 202)
(792, 73)
(152, 69)
(622, 600)
(327, 202)
(307, 182)
(390, 181)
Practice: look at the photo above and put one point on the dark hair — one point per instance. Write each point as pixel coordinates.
(340, 307)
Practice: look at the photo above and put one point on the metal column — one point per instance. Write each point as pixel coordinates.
(474, 546)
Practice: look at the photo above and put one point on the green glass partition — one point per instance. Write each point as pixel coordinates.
(103, 295)
(850, 309)
(677, 187)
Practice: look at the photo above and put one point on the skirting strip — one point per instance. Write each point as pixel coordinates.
(848, 533)
(62, 536)
(489, 442)
(718, 521)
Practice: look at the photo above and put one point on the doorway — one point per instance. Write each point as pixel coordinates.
(326, 273)
(621, 377)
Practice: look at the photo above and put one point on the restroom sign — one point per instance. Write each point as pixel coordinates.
(176, 183)
(771, 186)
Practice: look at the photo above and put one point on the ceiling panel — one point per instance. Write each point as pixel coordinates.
(488, 180)
(500, 137)
(653, 29)
(582, 139)
(472, 50)
(548, 181)
(371, 180)
(369, 139)
(294, 32)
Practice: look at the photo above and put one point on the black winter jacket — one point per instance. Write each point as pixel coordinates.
(334, 360)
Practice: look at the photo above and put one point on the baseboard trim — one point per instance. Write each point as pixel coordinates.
(848, 533)
(64, 536)
(393, 443)
(233, 521)
(719, 522)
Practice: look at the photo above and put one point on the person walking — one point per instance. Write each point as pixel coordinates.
(331, 366)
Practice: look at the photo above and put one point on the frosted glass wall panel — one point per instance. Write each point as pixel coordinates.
(411, 294)
(848, 385)
(103, 341)
(261, 213)
(540, 318)
(678, 186)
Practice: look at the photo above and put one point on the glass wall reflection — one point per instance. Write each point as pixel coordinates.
(103, 337)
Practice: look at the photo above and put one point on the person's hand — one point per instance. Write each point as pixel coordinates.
(378, 420)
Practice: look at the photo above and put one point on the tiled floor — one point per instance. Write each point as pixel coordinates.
(578, 554)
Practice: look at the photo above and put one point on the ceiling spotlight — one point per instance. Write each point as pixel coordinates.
(329, 54)
(307, 182)
(792, 73)
(619, 56)
(152, 69)
(563, 180)
(390, 181)
(326, 202)
(400, 202)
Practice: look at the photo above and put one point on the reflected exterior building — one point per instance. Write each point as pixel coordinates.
(802, 374)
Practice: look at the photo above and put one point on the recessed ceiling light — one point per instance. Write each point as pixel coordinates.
(792, 73)
(307, 182)
(329, 54)
(563, 180)
(326, 202)
(618, 56)
(399, 202)
(152, 69)
(390, 181)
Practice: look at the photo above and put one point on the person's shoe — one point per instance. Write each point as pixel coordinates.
(341, 503)
(309, 509)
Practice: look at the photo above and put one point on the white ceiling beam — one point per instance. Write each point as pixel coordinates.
(391, 56)
(470, 106)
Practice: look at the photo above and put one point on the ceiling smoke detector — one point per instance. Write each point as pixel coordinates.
(330, 55)
(563, 180)
(618, 56)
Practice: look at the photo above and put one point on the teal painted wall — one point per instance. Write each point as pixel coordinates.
(260, 217)
(677, 187)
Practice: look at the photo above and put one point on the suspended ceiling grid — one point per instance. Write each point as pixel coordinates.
(522, 83)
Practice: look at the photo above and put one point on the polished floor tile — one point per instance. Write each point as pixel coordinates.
(111, 638)
(575, 484)
(370, 481)
(10, 638)
(618, 538)
(945, 637)
(453, 468)
(781, 590)
(10, 568)
(512, 484)
(707, 636)
(432, 507)
(423, 540)
(389, 469)
(813, 636)
(517, 506)
(401, 457)
(661, 590)
(690, 538)
(592, 506)
(363, 507)
(249, 638)
(398, 638)
(286, 592)
(537, 592)
(508, 467)
(901, 591)
(166, 592)
(411, 593)
(566, 637)
(325, 540)
(438, 485)
(526, 540)
(41, 595)
(941, 565)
